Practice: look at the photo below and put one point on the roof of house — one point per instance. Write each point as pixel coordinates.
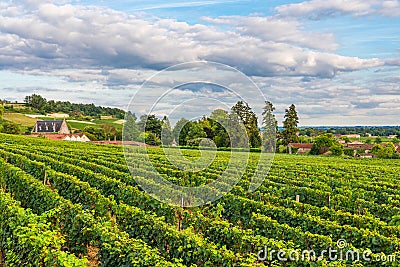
(301, 145)
(48, 126)
(360, 146)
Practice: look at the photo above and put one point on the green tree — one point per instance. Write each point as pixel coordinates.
(131, 129)
(150, 123)
(322, 143)
(220, 136)
(387, 151)
(152, 139)
(195, 132)
(180, 131)
(289, 134)
(336, 149)
(249, 120)
(1, 111)
(349, 152)
(270, 127)
(346, 139)
(96, 133)
(36, 101)
(109, 131)
(378, 140)
(166, 132)
(375, 149)
(9, 127)
(238, 136)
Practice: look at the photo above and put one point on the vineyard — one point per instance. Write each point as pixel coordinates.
(70, 204)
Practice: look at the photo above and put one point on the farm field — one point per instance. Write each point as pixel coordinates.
(76, 204)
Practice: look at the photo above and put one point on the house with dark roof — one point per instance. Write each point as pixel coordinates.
(54, 126)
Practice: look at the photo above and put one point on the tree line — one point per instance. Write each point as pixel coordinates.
(237, 128)
(42, 105)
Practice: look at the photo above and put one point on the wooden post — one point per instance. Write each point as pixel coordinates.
(297, 198)
(329, 200)
(45, 177)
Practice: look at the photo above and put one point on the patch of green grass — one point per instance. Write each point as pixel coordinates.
(19, 119)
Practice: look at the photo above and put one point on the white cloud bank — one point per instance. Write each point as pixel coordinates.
(47, 35)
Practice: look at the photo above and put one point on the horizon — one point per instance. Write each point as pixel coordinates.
(339, 63)
(300, 126)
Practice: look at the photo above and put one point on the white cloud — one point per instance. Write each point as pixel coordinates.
(73, 36)
(318, 9)
(278, 30)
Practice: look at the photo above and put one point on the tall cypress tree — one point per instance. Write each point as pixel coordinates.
(249, 120)
(166, 132)
(289, 134)
(270, 128)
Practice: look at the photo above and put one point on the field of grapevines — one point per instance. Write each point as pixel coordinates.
(74, 204)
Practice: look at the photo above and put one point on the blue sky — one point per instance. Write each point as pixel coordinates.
(338, 61)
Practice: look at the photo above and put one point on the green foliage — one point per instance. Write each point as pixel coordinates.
(36, 101)
(249, 119)
(130, 130)
(94, 134)
(270, 128)
(289, 134)
(150, 124)
(386, 152)
(195, 132)
(322, 143)
(42, 105)
(9, 127)
(180, 131)
(395, 221)
(346, 139)
(166, 132)
(1, 110)
(109, 131)
(91, 199)
(376, 149)
(336, 149)
(349, 152)
(27, 240)
(204, 142)
(152, 139)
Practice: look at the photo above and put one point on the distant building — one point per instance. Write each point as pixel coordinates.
(366, 156)
(65, 137)
(54, 126)
(301, 148)
(392, 136)
(352, 135)
(106, 117)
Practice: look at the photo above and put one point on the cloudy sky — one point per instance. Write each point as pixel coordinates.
(338, 61)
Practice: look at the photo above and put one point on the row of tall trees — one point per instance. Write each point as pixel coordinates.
(237, 128)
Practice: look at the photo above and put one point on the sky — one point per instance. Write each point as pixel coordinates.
(338, 61)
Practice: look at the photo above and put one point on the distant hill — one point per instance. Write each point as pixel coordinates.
(38, 104)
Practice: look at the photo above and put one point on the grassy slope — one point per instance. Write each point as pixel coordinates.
(20, 119)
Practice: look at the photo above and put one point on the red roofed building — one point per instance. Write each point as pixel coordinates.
(64, 137)
(301, 148)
